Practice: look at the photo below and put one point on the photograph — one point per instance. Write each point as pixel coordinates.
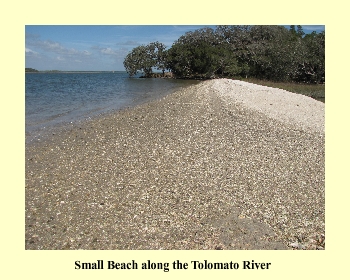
(175, 137)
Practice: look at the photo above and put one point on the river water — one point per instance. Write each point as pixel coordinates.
(55, 99)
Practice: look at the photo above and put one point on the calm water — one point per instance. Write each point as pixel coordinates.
(53, 99)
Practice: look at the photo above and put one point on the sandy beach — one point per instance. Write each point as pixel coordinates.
(222, 164)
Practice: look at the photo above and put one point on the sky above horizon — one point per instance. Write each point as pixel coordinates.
(98, 47)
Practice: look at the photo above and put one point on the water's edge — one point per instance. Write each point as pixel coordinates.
(121, 94)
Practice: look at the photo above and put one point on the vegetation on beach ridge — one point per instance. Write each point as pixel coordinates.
(316, 91)
(272, 53)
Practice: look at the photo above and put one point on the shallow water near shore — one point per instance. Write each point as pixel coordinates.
(55, 99)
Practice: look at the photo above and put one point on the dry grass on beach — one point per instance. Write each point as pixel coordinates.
(219, 165)
(316, 91)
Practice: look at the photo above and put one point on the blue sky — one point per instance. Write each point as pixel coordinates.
(97, 47)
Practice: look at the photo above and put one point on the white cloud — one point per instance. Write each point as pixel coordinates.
(53, 47)
(29, 51)
(108, 51)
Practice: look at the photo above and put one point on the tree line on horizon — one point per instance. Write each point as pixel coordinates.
(260, 51)
(30, 70)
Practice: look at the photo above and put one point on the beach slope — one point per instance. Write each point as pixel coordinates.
(222, 164)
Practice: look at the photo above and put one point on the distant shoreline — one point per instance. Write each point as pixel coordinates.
(54, 72)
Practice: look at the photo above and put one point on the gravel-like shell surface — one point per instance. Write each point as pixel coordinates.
(222, 164)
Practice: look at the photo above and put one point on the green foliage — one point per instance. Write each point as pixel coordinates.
(202, 54)
(265, 52)
(270, 52)
(192, 55)
(31, 70)
(311, 67)
(144, 58)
